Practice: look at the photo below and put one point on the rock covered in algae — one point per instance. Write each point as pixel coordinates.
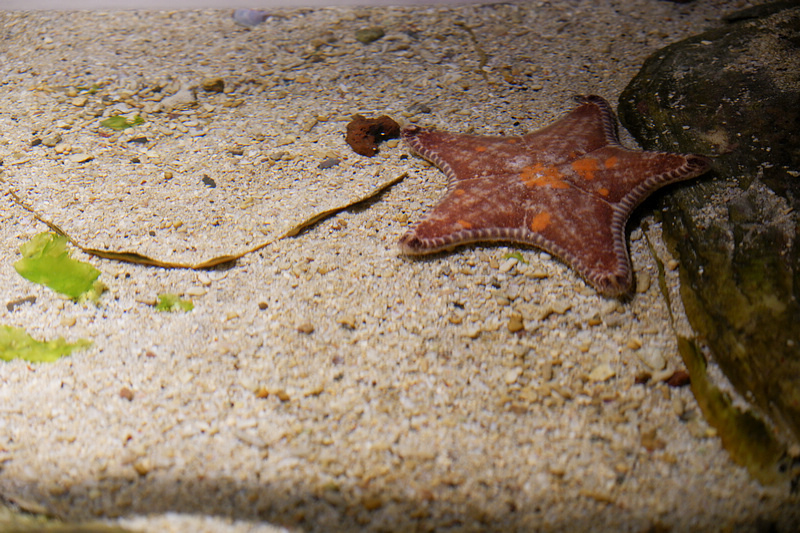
(734, 93)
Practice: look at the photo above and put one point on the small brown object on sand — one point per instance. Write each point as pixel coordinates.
(364, 134)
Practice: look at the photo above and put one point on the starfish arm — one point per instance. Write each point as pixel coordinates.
(474, 210)
(621, 175)
(566, 222)
(586, 128)
(467, 156)
(582, 231)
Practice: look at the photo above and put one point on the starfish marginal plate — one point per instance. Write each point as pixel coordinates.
(568, 189)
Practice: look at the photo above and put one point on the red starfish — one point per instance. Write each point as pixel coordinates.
(568, 189)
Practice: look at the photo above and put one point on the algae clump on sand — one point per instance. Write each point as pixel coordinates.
(45, 260)
(15, 343)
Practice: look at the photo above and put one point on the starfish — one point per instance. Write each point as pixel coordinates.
(568, 189)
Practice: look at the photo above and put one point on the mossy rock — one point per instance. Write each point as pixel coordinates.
(734, 93)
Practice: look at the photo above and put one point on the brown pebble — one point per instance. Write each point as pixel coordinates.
(372, 503)
(126, 393)
(13, 304)
(143, 466)
(263, 305)
(679, 378)
(651, 442)
(213, 85)
(306, 327)
(368, 35)
(364, 134)
(515, 323)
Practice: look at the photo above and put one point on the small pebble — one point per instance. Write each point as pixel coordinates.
(368, 35)
(249, 18)
(507, 265)
(80, 101)
(558, 308)
(614, 321)
(512, 375)
(642, 282)
(51, 140)
(143, 466)
(678, 406)
(80, 158)
(601, 372)
(185, 97)
(634, 344)
(473, 332)
(306, 327)
(515, 323)
(213, 85)
(680, 378)
(328, 162)
(195, 291)
(651, 442)
(347, 322)
(13, 304)
(126, 393)
(418, 107)
(652, 358)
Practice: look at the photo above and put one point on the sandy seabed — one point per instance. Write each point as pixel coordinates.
(326, 382)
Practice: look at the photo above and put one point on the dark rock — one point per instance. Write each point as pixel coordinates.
(213, 85)
(364, 134)
(14, 304)
(734, 93)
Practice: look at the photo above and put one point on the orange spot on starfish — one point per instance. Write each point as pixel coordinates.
(541, 176)
(464, 224)
(540, 221)
(480, 148)
(585, 167)
(581, 223)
